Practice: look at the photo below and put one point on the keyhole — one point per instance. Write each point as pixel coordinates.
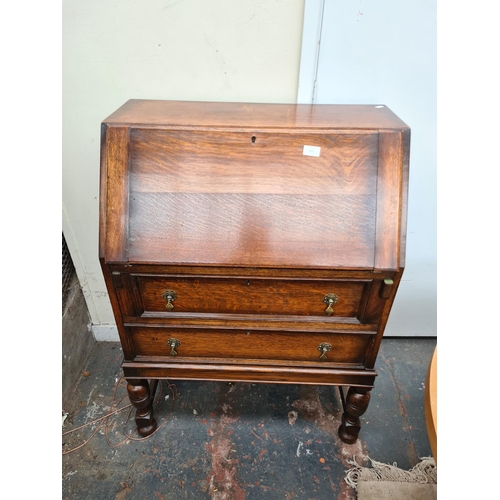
(253, 139)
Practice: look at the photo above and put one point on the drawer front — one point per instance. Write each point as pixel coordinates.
(257, 296)
(183, 343)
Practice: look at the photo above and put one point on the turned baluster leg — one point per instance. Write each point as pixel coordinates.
(140, 396)
(356, 403)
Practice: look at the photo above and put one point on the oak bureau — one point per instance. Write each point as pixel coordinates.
(252, 242)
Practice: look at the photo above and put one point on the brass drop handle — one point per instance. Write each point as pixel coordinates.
(324, 348)
(169, 296)
(173, 343)
(329, 299)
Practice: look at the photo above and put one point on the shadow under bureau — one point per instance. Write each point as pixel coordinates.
(252, 242)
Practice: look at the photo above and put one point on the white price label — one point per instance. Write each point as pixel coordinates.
(311, 151)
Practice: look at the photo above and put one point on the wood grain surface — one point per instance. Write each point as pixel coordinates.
(251, 296)
(207, 197)
(251, 214)
(117, 195)
(250, 344)
(213, 115)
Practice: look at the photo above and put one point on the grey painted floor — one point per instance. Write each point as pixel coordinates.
(223, 441)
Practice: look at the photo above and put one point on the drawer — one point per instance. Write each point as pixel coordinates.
(159, 295)
(184, 343)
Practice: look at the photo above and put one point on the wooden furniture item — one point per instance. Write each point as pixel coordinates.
(430, 403)
(252, 242)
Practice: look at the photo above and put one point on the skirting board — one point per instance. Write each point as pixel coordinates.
(105, 333)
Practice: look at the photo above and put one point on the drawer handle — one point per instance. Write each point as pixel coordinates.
(324, 348)
(169, 296)
(329, 299)
(173, 343)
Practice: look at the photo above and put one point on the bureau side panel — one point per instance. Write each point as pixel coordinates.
(117, 294)
(373, 350)
(404, 201)
(103, 194)
(117, 194)
(389, 201)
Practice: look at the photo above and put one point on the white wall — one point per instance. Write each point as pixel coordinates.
(115, 50)
(384, 52)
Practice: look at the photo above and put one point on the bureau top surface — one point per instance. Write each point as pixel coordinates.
(254, 185)
(254, 115)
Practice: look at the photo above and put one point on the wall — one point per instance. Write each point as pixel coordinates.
(115, 50)
(384, 52)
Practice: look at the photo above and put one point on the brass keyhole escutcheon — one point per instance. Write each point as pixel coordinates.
(329, 299)
(173, 343)
(169, 296)
(324, 348)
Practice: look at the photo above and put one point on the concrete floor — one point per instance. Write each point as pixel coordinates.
(223, 441)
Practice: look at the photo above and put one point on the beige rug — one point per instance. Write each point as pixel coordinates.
(388, 482)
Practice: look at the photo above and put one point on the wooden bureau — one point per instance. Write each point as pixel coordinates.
(252, 242)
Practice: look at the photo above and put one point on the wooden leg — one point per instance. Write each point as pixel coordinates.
(139, 394)
(356, 403)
